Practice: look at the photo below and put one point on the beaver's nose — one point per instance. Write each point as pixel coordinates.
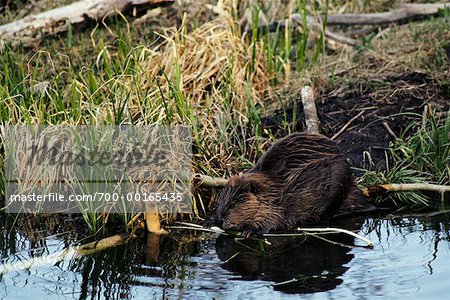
(226, 224)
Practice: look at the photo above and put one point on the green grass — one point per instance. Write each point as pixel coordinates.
(97, 77)
(106, 76)
(421, 154)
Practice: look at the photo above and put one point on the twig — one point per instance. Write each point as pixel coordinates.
(403, 187)
(424, 117)
(305, 230)
(209, 181)
(346, 125)
(309, 107)
(339, 230)
(389, 130)
(189, 224)
(214, 230)
(285, 282)
(331, 242)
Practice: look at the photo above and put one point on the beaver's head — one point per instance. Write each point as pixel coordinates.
(249, 202)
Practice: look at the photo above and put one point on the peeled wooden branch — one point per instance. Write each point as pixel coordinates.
(337, 230)
(209, 181)
(66, 254)
(32, 28)
(327, 230)
(403, 187)
(309, 107)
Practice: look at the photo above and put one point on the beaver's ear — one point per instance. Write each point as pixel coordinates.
(252, 188)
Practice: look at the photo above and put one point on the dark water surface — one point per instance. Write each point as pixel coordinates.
(411, 260)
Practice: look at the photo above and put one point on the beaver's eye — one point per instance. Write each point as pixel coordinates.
(238, 199)
(252, 188)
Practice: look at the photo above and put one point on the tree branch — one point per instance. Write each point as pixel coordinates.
(32, 28)
(309, 107)
(405, 11)
(402, 187)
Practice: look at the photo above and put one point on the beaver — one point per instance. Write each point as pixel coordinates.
(302, 179)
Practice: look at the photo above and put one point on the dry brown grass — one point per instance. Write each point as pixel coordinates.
(395, 52)
(206, 61)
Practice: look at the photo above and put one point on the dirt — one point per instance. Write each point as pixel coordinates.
(396, 100)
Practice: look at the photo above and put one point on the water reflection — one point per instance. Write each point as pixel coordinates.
(295, 265)
(412, 256)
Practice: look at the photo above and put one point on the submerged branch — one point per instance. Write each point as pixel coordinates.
(67, 253)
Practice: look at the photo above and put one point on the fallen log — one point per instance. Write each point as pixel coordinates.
(404, 12)
(32, 29)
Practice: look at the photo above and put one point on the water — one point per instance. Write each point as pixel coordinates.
(411, 260)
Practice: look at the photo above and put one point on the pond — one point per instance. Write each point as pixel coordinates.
(411, 259)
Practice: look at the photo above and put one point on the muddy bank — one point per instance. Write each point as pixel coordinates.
(387, 106)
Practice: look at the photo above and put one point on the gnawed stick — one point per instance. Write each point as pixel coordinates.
(209, 181)
(67, 253)
(309, 107)
(32, 28)
(151, 215)
(338, 230)
(152, 220)
(305, 230)
(403, 187)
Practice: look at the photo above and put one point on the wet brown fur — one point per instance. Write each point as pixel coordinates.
(302, 179)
